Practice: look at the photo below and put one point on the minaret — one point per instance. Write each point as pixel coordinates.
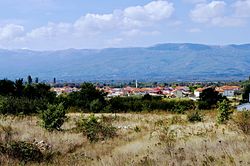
(136, 84)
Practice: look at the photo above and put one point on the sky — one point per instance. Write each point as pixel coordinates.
(63, 24)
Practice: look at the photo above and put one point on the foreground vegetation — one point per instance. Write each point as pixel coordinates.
(127, 139)
(86, 128)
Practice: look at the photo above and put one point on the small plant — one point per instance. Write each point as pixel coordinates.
(168, 137)
(54, 117)
(176, 119)
(224, 112)
(6, 133)
(95, 128)
(194, 117)
(137, 129)
(242, 120)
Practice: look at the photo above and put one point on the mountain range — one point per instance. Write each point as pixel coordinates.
(166, 62)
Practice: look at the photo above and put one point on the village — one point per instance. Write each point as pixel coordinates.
(163, 91)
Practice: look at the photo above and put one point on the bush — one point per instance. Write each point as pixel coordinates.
(194, 117)
(22, 151)
(176, 119)
(54, 117)
(203, 105)
(224, 112)
(137, 129)
(17, 106)
(6, 133)
(96, 129)
(96, 106)
(132, 104)
(242, 120)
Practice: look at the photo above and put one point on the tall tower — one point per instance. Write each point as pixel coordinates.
(136, 84)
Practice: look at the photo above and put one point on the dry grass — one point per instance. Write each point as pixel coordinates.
(143, 139)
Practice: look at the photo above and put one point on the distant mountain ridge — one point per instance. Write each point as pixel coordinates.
(172, 61)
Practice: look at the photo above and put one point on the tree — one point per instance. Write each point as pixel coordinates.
(86, 95)
(147, 97)
(224, 111)
(19, 87)
(29, 79)
(7, 87)
(209, 97)
(39, 91)
(96, 106)
(36, 80)
(245, 94)
(54, 117)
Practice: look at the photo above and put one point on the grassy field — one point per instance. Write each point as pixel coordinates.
(142, 139)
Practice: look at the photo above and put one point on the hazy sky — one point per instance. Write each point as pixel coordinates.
(62, 24)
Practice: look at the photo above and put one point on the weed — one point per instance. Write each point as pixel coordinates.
(242, 120)
(194, 117)
(95, 128)
(137, 129)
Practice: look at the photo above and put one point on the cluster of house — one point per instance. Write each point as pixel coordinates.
(65, 90)
(157, 91)
(170, 92)
(228, 91)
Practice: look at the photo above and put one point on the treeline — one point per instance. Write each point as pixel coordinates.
(20, 98)
(17, 97)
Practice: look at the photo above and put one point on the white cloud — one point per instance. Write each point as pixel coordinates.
(129, 18)
(207, 12)
(215, 13)
(194, 30)
(11, 32)
(94, 28)
(50, 31)
(242, 8)
(154, 11)
(195, 1)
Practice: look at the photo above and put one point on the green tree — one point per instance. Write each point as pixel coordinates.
(39, 91)
(224, 112)
(54, 117)
(29, 79)
(7, 87)
(19, 87)
(209, 97)
(96, 106)
(36, 80)
(245, 94)
(85, 96)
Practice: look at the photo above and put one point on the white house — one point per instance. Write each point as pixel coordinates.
(197, 92)
(243, 107)
(228, 91)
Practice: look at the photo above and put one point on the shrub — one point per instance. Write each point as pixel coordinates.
(6, 133)
(132, 104)
(95, 128)
(242, 120)
(137, 129)
(96, 106)
(194, 117)
(176, 119)
(224, 112)
(203, 105)
(54, 117)
(17, 106)
(23, 151)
